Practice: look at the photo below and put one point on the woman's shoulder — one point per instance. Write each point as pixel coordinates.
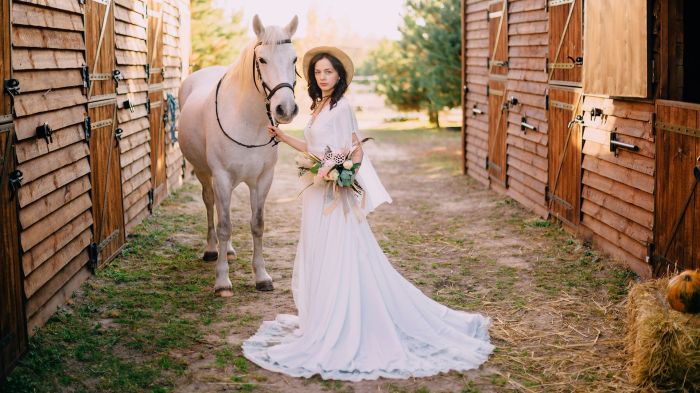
(343, 104)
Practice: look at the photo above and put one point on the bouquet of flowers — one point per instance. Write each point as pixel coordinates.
(336, 171)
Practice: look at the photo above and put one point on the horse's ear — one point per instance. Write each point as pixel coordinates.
(258, 27)
(291, 28)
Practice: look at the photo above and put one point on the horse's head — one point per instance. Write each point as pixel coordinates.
(275, 62)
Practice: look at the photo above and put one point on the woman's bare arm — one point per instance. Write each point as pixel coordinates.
(295, 143)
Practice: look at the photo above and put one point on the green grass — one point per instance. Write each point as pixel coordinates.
(119, 334)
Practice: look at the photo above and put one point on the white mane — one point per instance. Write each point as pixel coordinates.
(242, 69)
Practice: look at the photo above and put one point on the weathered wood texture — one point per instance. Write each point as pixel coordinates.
(607, 198)
(618, 191)
(615, 44)
(48, 53)
(156, 93)
(132, 61)
(175, 55)
(498, 65)
(13, 332)
(564, 162)
(677, 215)
(75, 193)
(526, 148)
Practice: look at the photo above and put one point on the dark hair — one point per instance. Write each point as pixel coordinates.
(315, 91)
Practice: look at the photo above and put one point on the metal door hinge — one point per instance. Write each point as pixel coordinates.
(87, 128)
(15, 180)
(12, 87)
(151, 194)
(486, 163)
(117, 76)
(118, 134)
(85, 73)
(93, 253)
(147, 67)
(148, 105)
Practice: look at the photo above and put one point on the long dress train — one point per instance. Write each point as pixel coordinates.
(358, 318)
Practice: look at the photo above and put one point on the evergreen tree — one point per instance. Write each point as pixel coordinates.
(216, 38)
(422, 69)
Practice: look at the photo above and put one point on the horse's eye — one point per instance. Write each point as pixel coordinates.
(295, 61)
(262, 61)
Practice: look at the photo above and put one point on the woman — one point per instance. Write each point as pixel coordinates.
(358, 317)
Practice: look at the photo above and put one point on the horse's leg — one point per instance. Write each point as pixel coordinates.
(210, 252)
(258, 194)
(222, 190)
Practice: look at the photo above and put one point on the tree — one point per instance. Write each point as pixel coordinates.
(395, 79)
(216, 40)
(425, 61)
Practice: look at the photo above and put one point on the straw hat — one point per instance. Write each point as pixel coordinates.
(331, 50)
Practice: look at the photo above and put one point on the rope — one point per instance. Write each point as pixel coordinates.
(172, 109)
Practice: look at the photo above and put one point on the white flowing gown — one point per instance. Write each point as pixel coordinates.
(358, 317)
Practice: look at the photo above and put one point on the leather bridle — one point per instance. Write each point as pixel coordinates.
(267, 92)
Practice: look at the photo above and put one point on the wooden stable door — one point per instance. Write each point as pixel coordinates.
(565, 55)
(496, 91)
(155, 96)
(564, 179)
(13, 331)
(677, 210)
(107, 207)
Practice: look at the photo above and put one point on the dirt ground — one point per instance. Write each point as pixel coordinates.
(440, 228)
(556, 305)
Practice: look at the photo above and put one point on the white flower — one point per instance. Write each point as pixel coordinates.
(347, 164)
(333, 175)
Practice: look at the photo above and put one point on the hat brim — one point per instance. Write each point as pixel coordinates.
(335, 52)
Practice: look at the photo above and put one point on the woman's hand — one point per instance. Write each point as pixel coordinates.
(276, 133)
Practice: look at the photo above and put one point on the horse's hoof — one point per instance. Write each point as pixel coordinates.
(210, 256)
(264, 286)
(224, 292)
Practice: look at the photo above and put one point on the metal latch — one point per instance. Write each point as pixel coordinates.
(578, 119)
(118, 134)
(44, 131)
(476, 111)
(12, 87)
(524, 125)
(616, 144)
(127, 105)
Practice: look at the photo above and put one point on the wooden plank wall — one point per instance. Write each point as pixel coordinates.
(527, 81)
(476, 52)
(131, 54)
(617, 193)
(55, 214)
(173, 64)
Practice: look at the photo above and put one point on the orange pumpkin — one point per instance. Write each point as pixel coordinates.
(684, 292)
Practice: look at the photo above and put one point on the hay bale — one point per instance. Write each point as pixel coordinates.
(663, 344)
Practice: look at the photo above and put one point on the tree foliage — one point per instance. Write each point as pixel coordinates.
(216, 38)
(422, 69)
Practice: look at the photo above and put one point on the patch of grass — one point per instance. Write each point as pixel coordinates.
(139, 299)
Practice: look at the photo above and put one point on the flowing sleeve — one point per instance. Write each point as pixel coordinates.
(345, 127)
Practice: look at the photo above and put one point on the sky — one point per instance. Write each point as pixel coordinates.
(369, 18)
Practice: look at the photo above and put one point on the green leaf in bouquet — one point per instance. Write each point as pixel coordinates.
(314, 169)
(355, 166)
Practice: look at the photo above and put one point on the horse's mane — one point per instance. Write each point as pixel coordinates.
(242, 69)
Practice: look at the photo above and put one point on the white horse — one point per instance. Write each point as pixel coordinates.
(223, 134)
